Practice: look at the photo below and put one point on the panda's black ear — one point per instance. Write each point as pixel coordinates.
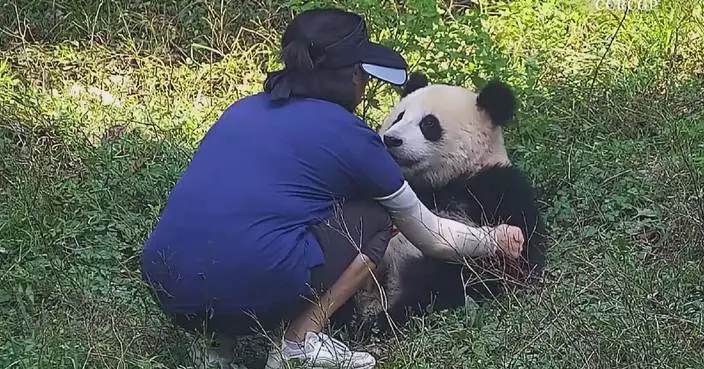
(416, 80)
(498, 100)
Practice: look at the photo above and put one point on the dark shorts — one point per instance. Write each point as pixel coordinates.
(354, 227)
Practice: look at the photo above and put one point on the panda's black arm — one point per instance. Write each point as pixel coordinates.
(506, 195)
(497, 195)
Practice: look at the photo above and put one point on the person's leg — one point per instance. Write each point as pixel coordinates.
(354, 241)
(217, 333)
(315, 317)
(208, 350)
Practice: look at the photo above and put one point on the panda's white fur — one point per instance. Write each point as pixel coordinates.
(451, 142)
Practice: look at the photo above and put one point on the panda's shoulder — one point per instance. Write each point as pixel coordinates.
(507, 181)
(500, 176)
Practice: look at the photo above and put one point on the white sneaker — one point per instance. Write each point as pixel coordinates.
(319, 351)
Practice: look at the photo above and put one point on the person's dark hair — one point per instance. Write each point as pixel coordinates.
(302, 45)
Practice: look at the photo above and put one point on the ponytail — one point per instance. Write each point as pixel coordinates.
(298, 62)
(296, 56)
(301, 77)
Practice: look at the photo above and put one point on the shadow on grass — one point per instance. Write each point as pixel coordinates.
(173, 29)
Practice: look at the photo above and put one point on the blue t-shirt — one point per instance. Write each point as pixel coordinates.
(235, 233)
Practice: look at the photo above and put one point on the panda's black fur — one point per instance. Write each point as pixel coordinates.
(494, 195)
(498, 194)
(497, 100)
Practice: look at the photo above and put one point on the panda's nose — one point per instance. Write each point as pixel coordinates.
(391, 141)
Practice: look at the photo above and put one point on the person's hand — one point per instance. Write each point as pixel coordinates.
(509, 238)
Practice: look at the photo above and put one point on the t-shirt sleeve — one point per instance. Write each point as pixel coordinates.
(371, 166)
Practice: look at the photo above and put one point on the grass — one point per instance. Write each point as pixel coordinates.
(101, 104)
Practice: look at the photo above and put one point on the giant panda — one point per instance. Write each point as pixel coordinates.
(449, 142)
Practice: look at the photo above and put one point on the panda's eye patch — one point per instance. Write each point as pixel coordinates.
(398, 119)
(430, 127)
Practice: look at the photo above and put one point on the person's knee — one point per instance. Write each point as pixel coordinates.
(374, 216)
(376, 247)
(368, 222)
(381, 215)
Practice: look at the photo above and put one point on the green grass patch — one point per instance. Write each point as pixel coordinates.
(102, 103)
